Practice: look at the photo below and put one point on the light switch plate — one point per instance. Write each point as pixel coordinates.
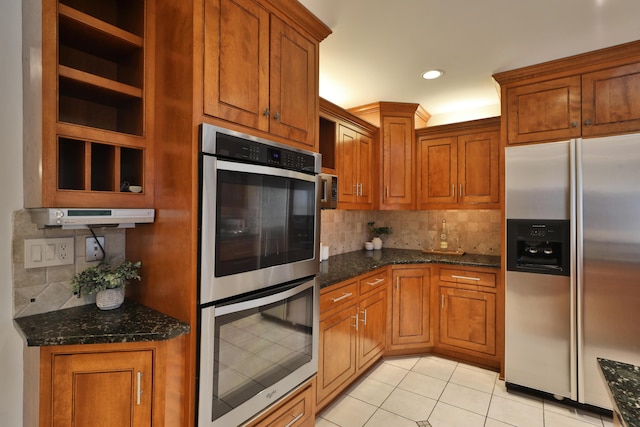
(48, 252)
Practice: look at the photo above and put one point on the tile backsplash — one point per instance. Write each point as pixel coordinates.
(39, 290)
(474, 231)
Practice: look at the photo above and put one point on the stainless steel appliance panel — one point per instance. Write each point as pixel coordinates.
(609, 294)
(538, 181)
(538, 332)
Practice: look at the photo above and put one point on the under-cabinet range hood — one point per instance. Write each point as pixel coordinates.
(90, 217)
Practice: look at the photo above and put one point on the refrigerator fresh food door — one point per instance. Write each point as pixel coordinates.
(610, 285)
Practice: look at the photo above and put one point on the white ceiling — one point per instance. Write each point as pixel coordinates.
(379, 48)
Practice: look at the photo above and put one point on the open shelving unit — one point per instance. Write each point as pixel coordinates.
(95, 100)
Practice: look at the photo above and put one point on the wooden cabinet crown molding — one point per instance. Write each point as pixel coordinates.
(302, 16)
(584, 62)
(338, 114)
(373, 112)
(472, 126)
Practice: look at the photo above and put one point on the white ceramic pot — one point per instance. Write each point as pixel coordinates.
(377, 243)
(110, 299)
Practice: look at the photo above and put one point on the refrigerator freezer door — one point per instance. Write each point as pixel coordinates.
(538, 181)
(538, 332)
(610, 289)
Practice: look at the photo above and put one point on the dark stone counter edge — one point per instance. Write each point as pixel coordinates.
(87, 324)
(623, 381)
(353, 264)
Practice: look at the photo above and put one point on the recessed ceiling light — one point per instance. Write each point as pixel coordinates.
(432, 74)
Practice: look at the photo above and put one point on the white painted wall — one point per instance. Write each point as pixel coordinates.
(10, 200)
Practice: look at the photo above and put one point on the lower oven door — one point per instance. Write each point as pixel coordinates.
(254, 350)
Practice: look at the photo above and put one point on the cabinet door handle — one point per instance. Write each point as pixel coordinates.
(356, 319)
(138, 388)
(442, 301)
(295, 419)
(574, 124)
(276, 117)
(375, 282)
(453, 190)
(266, 112)
(453, 276)
(397, 284)
(345, 295)
(587, 122)
(387, 191)
(460, 190)
(364, 320)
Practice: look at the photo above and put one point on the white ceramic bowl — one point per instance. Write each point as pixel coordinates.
(135, 188)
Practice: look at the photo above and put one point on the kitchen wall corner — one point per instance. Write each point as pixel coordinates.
(39, 290)
(474, 231)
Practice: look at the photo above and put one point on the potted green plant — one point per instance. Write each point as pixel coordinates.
(377, 232)
(107, 281)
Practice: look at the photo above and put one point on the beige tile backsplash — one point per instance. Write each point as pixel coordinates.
(474, 231)
(39, 290)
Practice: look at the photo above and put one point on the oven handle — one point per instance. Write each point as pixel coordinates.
(262, 170)
(259, 302)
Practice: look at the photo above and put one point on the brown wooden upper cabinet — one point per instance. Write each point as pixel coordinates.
(458, 165)
(353, 163)
(593, 94)
(394, 163)
(87, 103)
(260, 72)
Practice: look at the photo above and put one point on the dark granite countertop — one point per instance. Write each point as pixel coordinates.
(87, 324)
(345, 266)
(623, 380)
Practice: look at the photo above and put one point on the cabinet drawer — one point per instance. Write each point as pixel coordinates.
(339, 296)
(374, 281)
(468, 277)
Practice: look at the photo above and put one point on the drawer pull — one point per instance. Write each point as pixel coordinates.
(465, 277)
(345, 295)
(295, 419)
(375, 282)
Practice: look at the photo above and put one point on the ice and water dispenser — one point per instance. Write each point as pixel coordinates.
(538, 246)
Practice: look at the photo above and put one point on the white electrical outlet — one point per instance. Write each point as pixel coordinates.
(92, 248)
(48, 252)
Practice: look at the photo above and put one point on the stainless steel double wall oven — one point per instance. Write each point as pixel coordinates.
(259, 255)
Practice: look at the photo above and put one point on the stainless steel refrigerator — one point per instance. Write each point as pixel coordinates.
(557, 325)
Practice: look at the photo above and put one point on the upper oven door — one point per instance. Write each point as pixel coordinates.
(260, 227)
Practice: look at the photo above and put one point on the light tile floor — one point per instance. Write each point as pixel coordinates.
(429, 390)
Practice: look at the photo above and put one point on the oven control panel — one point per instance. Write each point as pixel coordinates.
(233, 147)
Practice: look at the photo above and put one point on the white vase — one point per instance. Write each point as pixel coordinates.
(377, 243)
(110, 299)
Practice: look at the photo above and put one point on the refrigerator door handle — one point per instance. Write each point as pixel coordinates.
(577, 261)
(575, 186)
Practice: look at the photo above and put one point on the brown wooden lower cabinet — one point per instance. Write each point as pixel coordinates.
(448, 310)
(118, 384)
(469, 304)
(353, 322)
(468, 320)
(410, 308)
